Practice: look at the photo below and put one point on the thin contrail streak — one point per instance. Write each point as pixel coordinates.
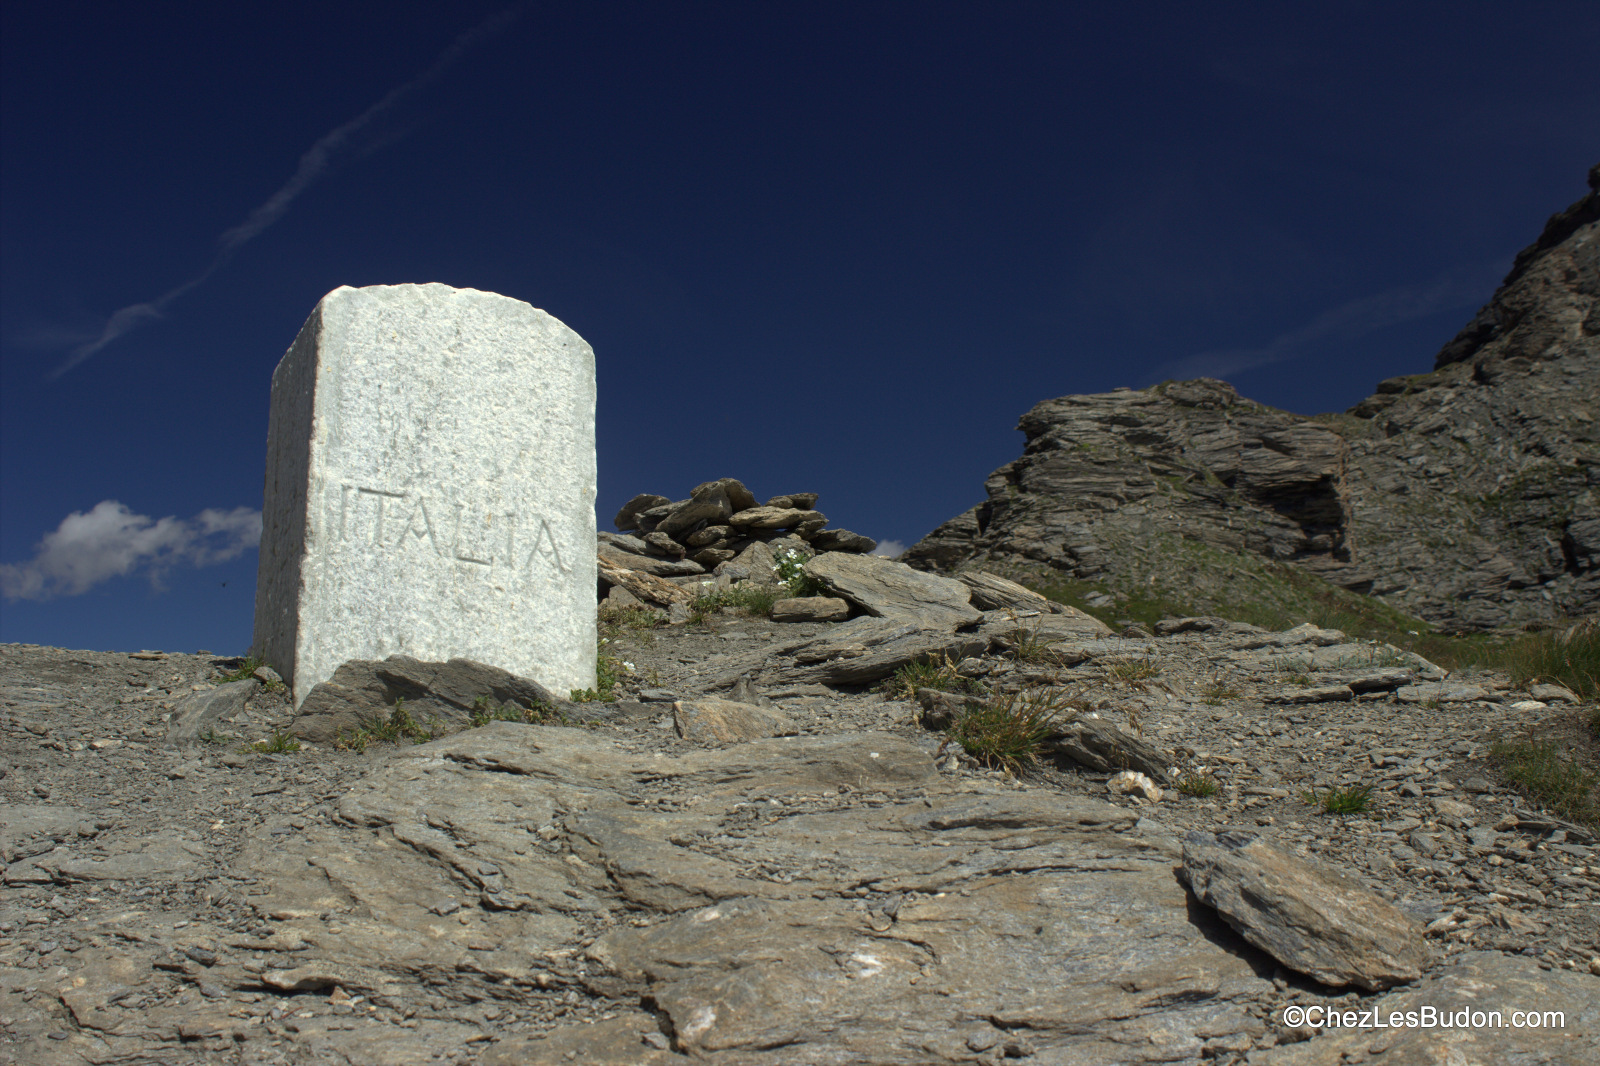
(313, 164)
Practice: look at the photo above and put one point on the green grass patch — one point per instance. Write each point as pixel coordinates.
(1198, 784)
(608, 671)
(1214, 694)
(1573, 662)
(277, 744)
(1542, 772)
(398, 725)
(1133, 670)
(486, 710)
(1353, 800)
(615, 620)
(1008, 732)
(937, 673)
(250, 665)
(753, 600)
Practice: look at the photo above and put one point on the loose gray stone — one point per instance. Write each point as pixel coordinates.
(1475, 983)
(201, 712)
(627, 518)
(715, 722)
(361, 690)
(1099, 745)
(811, 609)
(400, 517)
(1311, 918)
(1443, 691)
(842, 540)
(886, 589)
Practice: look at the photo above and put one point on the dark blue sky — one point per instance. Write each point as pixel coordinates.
(820, 247)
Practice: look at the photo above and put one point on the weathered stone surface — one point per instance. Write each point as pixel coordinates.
(399, 519)
(990, 592)
(1477, 981)
(1442, 691)
(865, 650)
(1006, 628)
(646, 564)
(708, 505)
(627, 517)
(772, 518)
(641, 584)
(717, 722)
(361, 690)
(201, 712)
(1313, 694)
(811, 609)
(739, 497)
(803, 501)
(842, 540)
(1313, 919)
(888, 589)
(1099, 745)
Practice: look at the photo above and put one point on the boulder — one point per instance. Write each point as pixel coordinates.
(773, 518)
(361, 690)
(200, 713)
(842, 540)
(642, 584)
(990, 592)
(884, 588)
(1098, 745)
(1311, 918)
(715, 722)
(627, 518)
(811, 609)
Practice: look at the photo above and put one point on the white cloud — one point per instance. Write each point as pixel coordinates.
(111, 541)
(889, 548)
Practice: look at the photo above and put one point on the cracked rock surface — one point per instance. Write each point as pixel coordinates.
(854, 890)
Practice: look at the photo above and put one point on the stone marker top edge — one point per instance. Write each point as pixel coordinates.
(397, 290)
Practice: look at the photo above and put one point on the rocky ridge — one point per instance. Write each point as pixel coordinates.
(753, 856)
(1466, 496)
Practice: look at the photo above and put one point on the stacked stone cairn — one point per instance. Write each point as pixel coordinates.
(668, 550)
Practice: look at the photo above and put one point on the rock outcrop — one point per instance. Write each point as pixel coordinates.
(1468, 496)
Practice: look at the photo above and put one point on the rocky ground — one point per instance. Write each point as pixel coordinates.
(670, 881)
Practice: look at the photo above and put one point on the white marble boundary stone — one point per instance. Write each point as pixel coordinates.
(430, 489)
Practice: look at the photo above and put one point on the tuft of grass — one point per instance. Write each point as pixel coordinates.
(485, 710)
(1352, 800)
(1197, 783)
(1132, 670)
(397, 726)
(1542, 772)
(613, 620)
(1008, 731)
(753, 600)
(251, 664)
(608, 670)
(1573, 661)
(278, 744)
(1216, 692)
(937, 673)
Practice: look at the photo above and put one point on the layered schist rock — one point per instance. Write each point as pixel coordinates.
(1467, 496)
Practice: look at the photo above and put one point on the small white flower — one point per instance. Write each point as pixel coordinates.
(628, 666)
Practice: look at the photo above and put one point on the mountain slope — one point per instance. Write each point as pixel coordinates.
(1468, 496)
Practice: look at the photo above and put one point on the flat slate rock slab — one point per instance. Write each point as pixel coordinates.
(880, 914)
(1476, 981)
(887, 589)
(1311, 918)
